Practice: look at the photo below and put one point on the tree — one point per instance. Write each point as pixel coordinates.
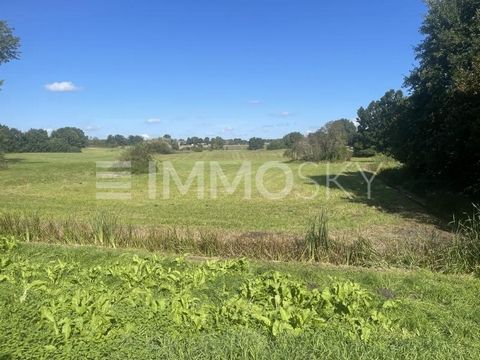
(139, 156)
(158, 146)
(9, 44)
(36, 140)
(59, 144)
(217, 143)
(440, 133)
(72, 136)
(377, 123)
(326, 144)
(292, 138)
(343, 128)
(194, 140)
(276, 144)
(116, 140)
(256, 143)
(135, 140)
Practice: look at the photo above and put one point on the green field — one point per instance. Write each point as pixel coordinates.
(62, 185)
(58, 302)
(76, 301)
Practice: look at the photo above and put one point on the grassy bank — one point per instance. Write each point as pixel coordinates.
(455, 252)
(61, 302)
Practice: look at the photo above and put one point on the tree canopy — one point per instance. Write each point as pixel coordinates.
(9, 44)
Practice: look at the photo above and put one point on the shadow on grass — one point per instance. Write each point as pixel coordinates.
(17, 160)
(382, 196)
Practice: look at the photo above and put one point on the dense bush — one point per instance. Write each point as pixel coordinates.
(158, 146)
(216, 143)
(140, 158)
(327, 144)
(3, 161)
(369, 152)
(72, 136)
(276, 144)
(292, 138)
(60, 145)
(256, 143)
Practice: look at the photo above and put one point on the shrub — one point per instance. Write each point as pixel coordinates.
(276, 144)
(364, 152)
(61, 145)
(3, 161)
(256, 143)
(158, 147)
(139, 156)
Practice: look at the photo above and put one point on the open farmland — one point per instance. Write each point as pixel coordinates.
(63, 185)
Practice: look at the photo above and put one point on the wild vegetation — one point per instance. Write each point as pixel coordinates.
(86, 302)
(67, 139)
(435, 130)
(458, 254)
(76, 281)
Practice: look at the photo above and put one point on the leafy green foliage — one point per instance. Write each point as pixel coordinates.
(217, 143)
(436, 130)
(73, 137)
(326, 144)
(74, 304)
(276, 144)
(256, 143)
(3, 161)
(140, 158)
(37, 140)
(9, 44)
(7, 243)
(112, 304)
(377, 123)
(158, 146)
(292, 138)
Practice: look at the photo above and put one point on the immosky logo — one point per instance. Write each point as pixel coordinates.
(114, 180)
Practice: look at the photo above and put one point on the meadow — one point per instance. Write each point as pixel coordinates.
(62, 185)
(227, 276)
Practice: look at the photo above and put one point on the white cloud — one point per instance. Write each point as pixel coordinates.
(282, 114)
(227, 129)
(145, 136)
(62, 86)
(92, 128)
(153, 121)
(254, 102)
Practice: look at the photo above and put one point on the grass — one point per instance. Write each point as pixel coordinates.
(62, 185)
(435, 316)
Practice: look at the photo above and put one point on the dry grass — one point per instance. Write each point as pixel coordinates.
(421, 247)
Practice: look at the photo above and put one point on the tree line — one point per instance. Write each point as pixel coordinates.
(434, 129)
(66, 139)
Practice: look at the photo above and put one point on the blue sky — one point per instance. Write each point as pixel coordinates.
(233, 68)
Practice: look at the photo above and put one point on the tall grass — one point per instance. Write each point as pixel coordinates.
(317, 238)
(464, 255)
(460, 253)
